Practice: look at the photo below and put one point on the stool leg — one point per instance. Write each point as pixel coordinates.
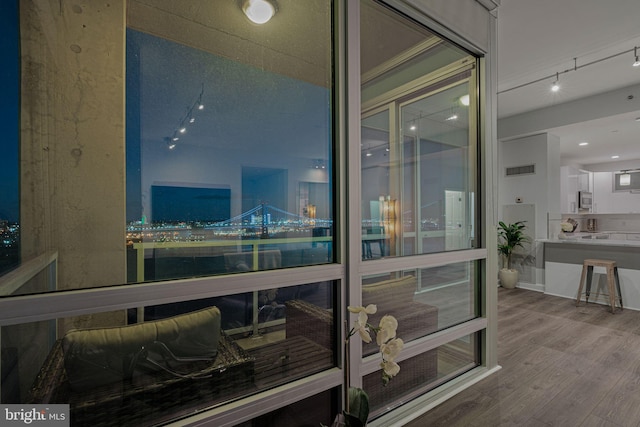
(611, 288)
(615, 273)
(582, 277)
(589, 279)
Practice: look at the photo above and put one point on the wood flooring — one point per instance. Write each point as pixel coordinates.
(562, 365)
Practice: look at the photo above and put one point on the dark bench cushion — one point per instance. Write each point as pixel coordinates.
(99, 356)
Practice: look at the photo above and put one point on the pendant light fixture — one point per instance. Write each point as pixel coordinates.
(259, 11)
(625, 178)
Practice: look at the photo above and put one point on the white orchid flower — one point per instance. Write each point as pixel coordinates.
(370, 309)
(390, 368)
(361, 326)
(388, 326)
(391, 349)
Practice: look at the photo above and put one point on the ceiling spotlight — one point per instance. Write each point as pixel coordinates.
(635, 53)
(172, 146)
(182, 130)
(369, 154)
(175, 138)
(192, 120)
(582, 144)
(615, 157)
(258, 11)
(200, 106)
(464, 100)
(556, 86)
(413, 127)
(452, 117)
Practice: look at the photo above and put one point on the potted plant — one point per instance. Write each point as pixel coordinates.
(510, 236)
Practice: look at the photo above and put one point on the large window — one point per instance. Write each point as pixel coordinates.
(418, 140)
(181, 145)
(228, 155)
(418, 158)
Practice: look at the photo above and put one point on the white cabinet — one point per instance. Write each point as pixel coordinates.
(568, 189)
(584, 180)
(602, 187)
(606, 201)
(573, 180)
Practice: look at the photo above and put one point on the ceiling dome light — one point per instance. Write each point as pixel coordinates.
(258, 11)
(464, 100)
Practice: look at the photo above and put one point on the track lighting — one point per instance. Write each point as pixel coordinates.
(187, 119)
(258, 11)
(576, 67)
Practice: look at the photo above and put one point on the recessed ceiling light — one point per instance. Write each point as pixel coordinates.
(583, 144)
(615, 157)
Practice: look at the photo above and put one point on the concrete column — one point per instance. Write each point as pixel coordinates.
(72, 138)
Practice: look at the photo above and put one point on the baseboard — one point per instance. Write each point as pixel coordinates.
(531, 286)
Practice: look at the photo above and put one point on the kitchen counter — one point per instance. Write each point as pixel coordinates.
(563, 260)
(593, 241)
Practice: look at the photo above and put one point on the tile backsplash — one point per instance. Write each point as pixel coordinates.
(608, 222)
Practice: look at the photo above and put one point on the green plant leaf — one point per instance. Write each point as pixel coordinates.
(358, 408)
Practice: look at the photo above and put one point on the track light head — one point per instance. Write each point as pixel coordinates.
(556, 86)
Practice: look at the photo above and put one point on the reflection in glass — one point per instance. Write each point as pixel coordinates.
(418, 139)
(185, 357)
(228, 156)
(421, 373)
(423, 300)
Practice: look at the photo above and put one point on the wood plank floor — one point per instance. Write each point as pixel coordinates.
(561, 366)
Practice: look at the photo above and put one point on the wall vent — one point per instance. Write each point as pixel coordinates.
(521, 170)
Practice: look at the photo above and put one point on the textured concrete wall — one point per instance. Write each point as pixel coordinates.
(72, 138)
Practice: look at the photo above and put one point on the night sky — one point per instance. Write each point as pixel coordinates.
(9, 110)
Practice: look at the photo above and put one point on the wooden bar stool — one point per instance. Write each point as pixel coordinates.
(612, 275)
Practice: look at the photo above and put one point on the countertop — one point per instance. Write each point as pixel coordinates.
(592, 240)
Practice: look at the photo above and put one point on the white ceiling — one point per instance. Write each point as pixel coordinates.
(537, 39)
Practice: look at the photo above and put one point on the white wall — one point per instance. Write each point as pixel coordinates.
(209, 167)
(541, 191)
